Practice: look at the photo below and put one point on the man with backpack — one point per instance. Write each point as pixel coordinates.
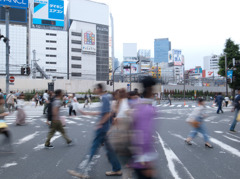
(54, 117)
(236, 109)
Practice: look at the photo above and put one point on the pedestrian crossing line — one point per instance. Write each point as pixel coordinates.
(172, 106)
(41, 146)
(193, 106)
(208, 106)
(186, 106)
(165, 105)
(179, 106)
(27, 138)
(172, 159)
(233, 135)
(235, 140)
(225, 147)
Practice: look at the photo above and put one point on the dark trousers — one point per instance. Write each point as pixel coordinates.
(71, 110)
(219, 108)
(45, 108)
(226, 103)
(7, 134)
(56, 125)
(100, 138)
(140, 175)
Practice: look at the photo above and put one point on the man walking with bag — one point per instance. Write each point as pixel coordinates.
(56, 124)
(236, 110)
(101, 136)
(10, 101)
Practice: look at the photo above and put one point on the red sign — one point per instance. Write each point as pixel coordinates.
(11, 79)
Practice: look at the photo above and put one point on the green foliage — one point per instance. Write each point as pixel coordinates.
(232, 51)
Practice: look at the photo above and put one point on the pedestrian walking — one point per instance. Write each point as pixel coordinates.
(10, 102)
(169, 99)
(144, 155)
(85, 101)
(101, 135)
(36, 99)
(218, 101)
(235, 109)
(56, 124)
(45, 101)
(4, 128)
(21, 115)
(196, 120)
(73, 106)
(227, 100)
(90, 98)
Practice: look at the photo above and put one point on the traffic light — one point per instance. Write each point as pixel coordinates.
(23, 70)
(28, 71)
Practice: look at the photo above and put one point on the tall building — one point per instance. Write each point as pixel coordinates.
(129, 52)
(18, 37)
(161, 48)
(48, 38)
(211, 62)
(88, 24)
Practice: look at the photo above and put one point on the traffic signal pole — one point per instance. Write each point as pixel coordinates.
(7, 47)
(226, 74)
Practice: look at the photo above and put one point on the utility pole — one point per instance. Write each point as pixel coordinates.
(7, 47)
(34, 65)
(226, 74)
(184, 82)
(130, 77)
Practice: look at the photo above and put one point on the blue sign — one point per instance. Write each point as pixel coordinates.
(230, 74)
(15, 3)
(56, 9)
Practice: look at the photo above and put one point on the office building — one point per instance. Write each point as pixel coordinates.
(88, 25)
(18, 37)
(161, 48)
(211, 62)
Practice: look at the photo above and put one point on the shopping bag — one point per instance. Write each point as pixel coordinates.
(3, 124)
(193, 122)
(63, 120)
(238, 117)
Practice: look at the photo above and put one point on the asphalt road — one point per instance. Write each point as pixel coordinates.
(31, 160)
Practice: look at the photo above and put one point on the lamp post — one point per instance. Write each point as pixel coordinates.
(113, 76)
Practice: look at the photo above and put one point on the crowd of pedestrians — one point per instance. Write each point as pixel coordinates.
(125, 124)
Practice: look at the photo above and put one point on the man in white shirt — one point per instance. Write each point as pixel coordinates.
(46, 101)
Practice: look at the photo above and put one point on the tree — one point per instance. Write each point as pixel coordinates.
(232, 51)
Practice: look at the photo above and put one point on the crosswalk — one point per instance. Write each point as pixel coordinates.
(188, 106)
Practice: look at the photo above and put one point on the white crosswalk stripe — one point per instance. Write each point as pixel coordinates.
(186, 106)
(179, 106)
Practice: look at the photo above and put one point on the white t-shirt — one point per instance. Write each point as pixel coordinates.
(123, 108)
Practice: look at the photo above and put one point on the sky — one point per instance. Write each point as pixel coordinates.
(198, 28)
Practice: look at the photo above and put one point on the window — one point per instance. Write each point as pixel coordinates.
(51, 55)
(51, 70)
(76, 34)
(49, 34)
(52, 63)
(51, 48)
(76, 42)
(51, 41)
(76, 58)
(77, 74)
(76, 50)
(76, 66)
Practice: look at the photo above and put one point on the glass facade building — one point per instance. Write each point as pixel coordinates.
(161, 48)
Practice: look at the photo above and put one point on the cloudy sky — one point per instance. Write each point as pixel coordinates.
(198, 27)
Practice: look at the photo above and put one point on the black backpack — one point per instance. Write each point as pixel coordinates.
(49, 110)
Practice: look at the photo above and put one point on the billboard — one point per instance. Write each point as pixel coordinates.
(16, 15)
(15, 3)
(212, 73)
(89, 41)
(126, 68)
(170, 57)
(177, 57)
(48, 12)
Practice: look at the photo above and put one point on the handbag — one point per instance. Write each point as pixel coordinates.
(238, 117)
(3, 124)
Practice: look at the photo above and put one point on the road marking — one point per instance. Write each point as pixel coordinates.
(235, 140)
(171, 158)
(233, 135)
(172, 106)
(165, 105)
(218, 132)
(27, 138)
(179, 106)
(208, 106)
(186, 106)
(180, 137)
(41, 146)
(9, 165)
(226, 147)
(193, 106)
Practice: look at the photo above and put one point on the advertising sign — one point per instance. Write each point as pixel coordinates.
(16, 15)
(49, 12)
(211, 73)
(230, 75)
(126, 68)
(170, 57)
(89, 41)
(177, 57)
(15, 3)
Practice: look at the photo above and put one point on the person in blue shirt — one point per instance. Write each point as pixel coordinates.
(219, 99)
(236, 110)
(101, 137)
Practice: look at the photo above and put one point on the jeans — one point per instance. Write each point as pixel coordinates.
(202, 130)
(234, 120)
(100, 138)
(71, 110)
(219, 108)
(45, 107)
